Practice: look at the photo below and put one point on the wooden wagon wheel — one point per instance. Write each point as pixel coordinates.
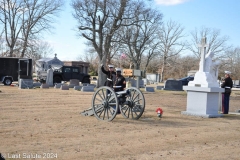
(135, 104)
(105, 104)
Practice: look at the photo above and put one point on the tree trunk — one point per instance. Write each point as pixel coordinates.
(11, 51)
(163, 69)
(101, 76)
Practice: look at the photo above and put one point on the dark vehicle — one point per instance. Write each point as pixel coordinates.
(65, 73)
(185, 80)
(12, 69)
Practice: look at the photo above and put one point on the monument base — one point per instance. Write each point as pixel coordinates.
(201, 115)
(202, 101)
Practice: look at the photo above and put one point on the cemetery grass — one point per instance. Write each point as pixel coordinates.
(39, 121)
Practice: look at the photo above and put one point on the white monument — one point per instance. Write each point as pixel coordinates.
(203, 92)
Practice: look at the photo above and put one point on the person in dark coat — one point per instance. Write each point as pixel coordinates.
(119, 81)
(111, 75)
(227, 84)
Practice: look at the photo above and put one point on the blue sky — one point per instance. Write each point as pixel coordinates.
(217, 14)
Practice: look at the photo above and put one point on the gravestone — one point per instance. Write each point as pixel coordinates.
(44, 86)
(173, 85)
(25, 83)
(91, 85)
(149, 89)
(77, 87)
(57, 85)
(71, 85)
(64, 87)
(37, 84)
(159, 87)
(49, 79)
(134, 83)
(74, 82)
(236, 82)
(87, 89)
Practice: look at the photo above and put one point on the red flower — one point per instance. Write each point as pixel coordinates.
(159, 110)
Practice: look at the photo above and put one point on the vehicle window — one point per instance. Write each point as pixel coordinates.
(75, 70)
(67, 70)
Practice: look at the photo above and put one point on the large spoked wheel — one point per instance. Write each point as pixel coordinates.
(105, 104)
(135, 104)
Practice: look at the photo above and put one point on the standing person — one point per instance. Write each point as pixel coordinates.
(227, 84)
(119, 81)
(111, 75)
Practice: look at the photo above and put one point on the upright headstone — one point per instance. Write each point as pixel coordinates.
(173, 85)
(49, 79)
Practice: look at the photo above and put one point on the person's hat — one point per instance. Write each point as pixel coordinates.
(118, 70)
(111, 66)
(227, 72)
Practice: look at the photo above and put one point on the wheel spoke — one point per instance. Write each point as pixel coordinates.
(132, 113)
(135, 97)
(133, 94)
(101, 112)
(98, 99)
(112, 104)
(104, 113)
(125, 109)
(107, 113)
(101, 96)
(137, 100)
(129, 111)
(111, 111)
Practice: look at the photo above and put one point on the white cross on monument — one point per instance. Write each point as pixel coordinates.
(202, 47)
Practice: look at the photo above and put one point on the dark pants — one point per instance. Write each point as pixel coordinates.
(225, 103)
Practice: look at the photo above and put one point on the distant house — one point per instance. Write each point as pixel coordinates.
(43, 64)
(82, 65)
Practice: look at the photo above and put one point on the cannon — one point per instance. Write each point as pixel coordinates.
(106, 104)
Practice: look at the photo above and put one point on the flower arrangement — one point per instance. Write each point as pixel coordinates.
(159, 112)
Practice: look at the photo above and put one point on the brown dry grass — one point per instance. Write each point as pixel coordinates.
(41, 121)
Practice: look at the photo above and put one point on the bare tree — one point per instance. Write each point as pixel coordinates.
(1, 43)
(170, 45)
(98, 21)
(91, 57)
(232, 62)
(37, 50)
(29, 17)
(139, 33)
(216, 43)
(38, 17)
(11, 14)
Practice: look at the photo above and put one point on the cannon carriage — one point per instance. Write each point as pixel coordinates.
(106, 104)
